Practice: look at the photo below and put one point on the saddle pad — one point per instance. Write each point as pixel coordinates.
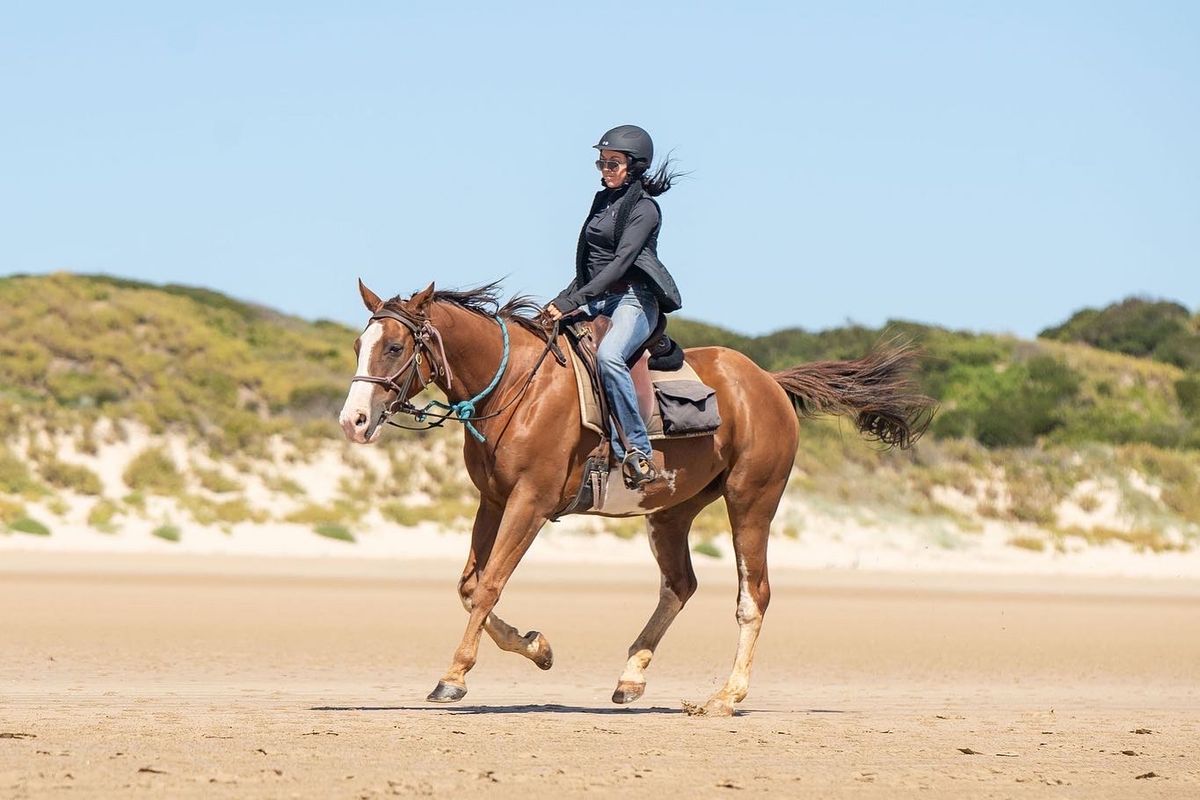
(589, 406)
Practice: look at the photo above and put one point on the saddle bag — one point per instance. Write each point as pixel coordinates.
(687, 407)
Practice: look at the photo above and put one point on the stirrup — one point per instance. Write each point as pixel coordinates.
(638, 469)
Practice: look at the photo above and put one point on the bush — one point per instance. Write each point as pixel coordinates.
(15, 477)
(228, 512)
(153, 470)
(1034, 543)
(314, 514)
(75, 477)
(102, 515)
(331, 530)
(29, 525)
(1029, 404)
(1187, 391)
(169, 533)
(706, 548)
(1135, 326)
(215, 481)
(10, 511)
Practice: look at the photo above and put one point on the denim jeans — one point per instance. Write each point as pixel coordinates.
(634, 313)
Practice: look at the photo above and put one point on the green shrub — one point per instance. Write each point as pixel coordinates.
(168, 532)
(625, 527)
(283, 485)
(1187, 391)
(15, 477)
(445, 512)
(331, 530)
(29, 525)
(102, 515)
(706, 548)
(215, 481)
(153, 470)
(10, 510)
(1134, 326)
(227, 512)
(315, 514)
(75, 477)
(1035, 543)
(85, 389)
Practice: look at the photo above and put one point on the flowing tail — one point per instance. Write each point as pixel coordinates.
(878, 390)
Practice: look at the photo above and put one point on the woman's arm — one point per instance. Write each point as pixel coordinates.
(642, 221)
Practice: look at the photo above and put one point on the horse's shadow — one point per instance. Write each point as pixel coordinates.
(529, 708)
(552, 708)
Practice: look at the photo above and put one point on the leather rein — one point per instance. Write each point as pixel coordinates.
(428, 345)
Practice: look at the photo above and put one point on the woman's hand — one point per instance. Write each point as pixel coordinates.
(552, 312)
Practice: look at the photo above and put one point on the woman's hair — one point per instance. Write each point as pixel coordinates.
(656, 182)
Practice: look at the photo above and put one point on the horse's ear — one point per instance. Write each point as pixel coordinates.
(419, 302)
(370, 299)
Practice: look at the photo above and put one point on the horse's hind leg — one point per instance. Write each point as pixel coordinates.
(532, 645)
(752, 502)
(669, 542)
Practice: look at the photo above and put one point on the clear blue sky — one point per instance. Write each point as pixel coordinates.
(985, 166)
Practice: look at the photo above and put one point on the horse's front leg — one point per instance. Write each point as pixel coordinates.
(532, 645)
(523, 517)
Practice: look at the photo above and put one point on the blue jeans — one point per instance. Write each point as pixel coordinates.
(634, 313)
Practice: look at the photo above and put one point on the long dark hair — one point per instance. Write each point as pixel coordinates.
(660, 180)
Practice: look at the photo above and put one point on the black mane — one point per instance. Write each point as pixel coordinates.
(485, 300)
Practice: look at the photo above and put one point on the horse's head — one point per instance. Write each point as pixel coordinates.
(393, 365)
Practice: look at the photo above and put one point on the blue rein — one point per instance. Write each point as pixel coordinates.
(464, 410)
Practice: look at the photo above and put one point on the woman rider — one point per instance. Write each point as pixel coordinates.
(618, 275)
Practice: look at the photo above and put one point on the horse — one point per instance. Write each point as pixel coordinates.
(527, 450)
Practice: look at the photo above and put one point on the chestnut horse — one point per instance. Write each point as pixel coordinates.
(530, 461)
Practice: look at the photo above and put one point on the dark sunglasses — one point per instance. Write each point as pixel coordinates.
(611, 166)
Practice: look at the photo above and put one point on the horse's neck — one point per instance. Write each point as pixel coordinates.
(474, 348)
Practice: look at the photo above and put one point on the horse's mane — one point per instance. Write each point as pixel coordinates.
(486, 301)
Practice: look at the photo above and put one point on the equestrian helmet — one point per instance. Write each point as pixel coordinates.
(628, 139)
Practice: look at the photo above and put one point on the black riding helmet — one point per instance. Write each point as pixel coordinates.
(628, 139)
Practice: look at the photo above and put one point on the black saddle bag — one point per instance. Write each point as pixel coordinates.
(687, 407)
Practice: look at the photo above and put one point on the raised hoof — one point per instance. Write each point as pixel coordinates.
(538, 650)
(447, 693)
(627, 692)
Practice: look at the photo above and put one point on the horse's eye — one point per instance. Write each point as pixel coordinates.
(395, 349)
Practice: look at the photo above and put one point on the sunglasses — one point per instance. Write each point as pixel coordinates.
(611, 166)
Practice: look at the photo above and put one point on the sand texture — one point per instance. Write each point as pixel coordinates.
(136, 676)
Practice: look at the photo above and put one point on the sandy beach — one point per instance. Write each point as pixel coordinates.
(127, 676)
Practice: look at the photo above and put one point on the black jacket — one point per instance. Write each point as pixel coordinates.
(619, 242)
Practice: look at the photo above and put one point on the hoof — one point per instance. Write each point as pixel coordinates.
(718, 707)
(715, 707)
(447, 693)
(627, 692)
(538, 650)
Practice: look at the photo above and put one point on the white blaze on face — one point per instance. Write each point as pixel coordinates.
(358, 401)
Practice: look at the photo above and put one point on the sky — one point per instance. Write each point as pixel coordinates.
(981, 166)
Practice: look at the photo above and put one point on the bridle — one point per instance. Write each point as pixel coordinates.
(427, 340)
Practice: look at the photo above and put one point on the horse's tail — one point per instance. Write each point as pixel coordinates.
(878, 390)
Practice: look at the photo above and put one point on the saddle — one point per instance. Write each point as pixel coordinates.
(672, 400)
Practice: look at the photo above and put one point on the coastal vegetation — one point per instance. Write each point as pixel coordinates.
(217, 412)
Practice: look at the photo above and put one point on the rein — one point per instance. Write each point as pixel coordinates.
(425, 338)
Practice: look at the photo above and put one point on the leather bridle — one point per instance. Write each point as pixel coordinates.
(426, 339)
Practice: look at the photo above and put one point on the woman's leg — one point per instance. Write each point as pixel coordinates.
(632, 321)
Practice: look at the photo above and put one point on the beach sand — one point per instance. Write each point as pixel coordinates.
(214, 676)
